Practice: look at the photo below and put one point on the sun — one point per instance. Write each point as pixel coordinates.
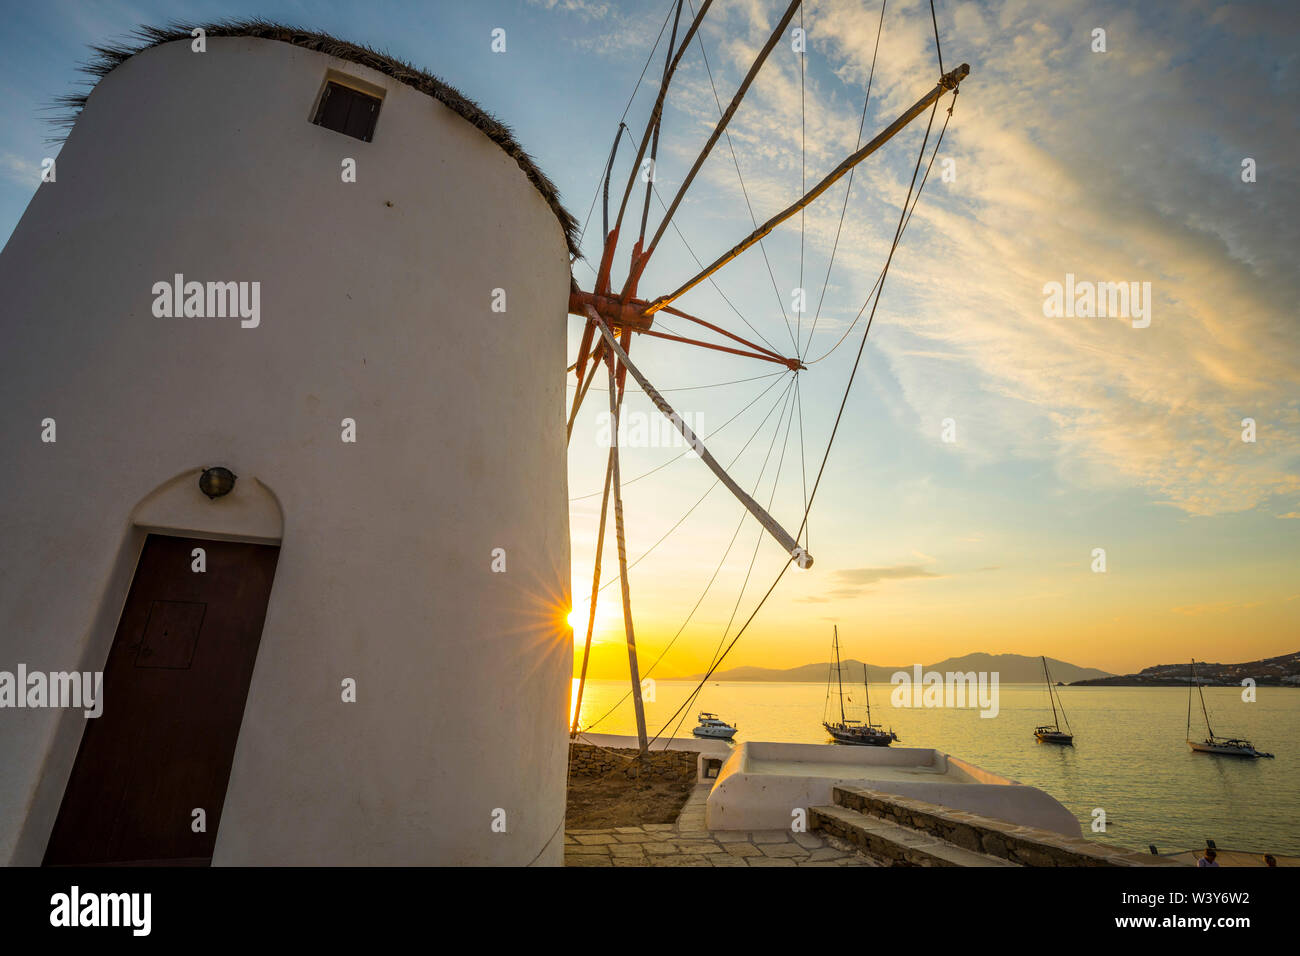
(606, 615)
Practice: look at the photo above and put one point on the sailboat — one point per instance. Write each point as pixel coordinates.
(1223, 746)
(855, 731)
(1052, 733)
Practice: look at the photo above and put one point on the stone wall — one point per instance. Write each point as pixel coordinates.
(588, 761)
(1022, 845)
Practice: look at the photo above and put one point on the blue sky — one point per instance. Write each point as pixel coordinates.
(1072, 433)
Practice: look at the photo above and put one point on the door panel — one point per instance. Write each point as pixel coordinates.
(175, 686)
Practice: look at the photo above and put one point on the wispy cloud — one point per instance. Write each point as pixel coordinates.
(586, 9)
(849, 583)
(1216, 607)
(1054, 176)
(861, 576)
(20, 169)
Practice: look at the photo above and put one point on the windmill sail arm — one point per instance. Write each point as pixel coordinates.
(721, 126)
(788, 363)
(791, 546)
(659, 107)
(624, 314)
(949, 81)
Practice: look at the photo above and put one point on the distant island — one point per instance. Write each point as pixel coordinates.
(1281, 671)
(1010, 668)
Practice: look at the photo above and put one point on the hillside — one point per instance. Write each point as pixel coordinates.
(1011, 669)
(1271, 671)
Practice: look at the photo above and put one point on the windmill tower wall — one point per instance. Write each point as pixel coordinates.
(375, 305)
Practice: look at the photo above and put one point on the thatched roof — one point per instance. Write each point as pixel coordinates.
(108, 58)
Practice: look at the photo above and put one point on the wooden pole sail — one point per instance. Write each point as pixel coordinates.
(622, 562)
(595, 590)
(948, 82)
(578, 399)
(654, 146)
(658, 110)
(792, 547)
(722, 124)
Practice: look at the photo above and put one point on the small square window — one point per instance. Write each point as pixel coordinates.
(348, 111)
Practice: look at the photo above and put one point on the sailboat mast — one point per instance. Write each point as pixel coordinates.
(1202, 693)
(866, 690)
(1056, 721)
(839, 677)
(1189, 702)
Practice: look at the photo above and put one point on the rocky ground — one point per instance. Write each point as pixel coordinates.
(625, 811)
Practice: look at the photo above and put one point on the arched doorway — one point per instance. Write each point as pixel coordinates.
(151, 772)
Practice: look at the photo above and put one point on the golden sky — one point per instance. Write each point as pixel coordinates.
(1072, 433)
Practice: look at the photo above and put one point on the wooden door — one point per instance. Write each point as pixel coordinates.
(174, 690)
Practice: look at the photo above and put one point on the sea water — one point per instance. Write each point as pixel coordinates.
(1130, 759)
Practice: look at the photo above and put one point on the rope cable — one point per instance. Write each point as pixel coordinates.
(707, 587)
(776, 480)
(862, 124)
(803, 174)
(650, 56)
(791, 398)
(763, 600)
(786, 566)
(715, 484)
(717, 288)
(803, 466)
(745, 192)
(682, 453)
(937, 49)
(881, 276)
(684, 388)
(898, 232)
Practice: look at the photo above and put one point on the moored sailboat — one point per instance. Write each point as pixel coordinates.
(848, 731)
(1222, 746)
(1052, 733)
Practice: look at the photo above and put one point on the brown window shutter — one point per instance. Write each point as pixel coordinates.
(348, 111)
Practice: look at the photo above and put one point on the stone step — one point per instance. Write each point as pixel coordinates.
(894, 843)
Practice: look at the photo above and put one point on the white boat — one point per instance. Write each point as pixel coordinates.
(1223, 746)
(711, 725)
(1231, 747)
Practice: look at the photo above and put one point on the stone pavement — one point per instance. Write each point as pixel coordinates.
(689, 843)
